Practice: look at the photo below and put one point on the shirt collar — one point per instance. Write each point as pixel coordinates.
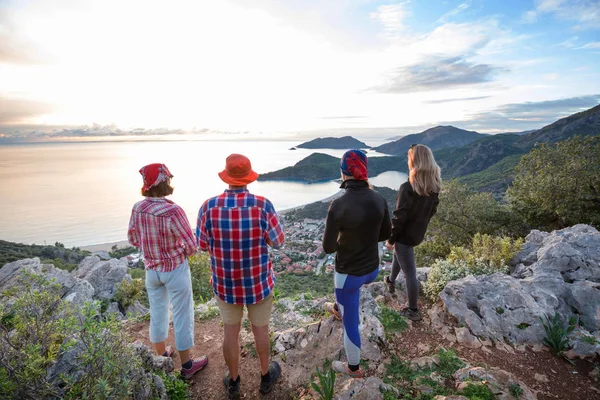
(156, 199)
(353, 183)
(235, 191)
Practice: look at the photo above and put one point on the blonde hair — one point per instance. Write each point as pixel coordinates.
(425, 175)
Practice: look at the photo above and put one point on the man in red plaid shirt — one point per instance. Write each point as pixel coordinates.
(236, 228)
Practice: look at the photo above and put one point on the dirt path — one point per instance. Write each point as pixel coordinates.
(208, 383)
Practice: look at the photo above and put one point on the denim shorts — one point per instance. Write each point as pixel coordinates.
(174, 287)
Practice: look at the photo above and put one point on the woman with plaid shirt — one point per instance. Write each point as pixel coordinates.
(162, 232)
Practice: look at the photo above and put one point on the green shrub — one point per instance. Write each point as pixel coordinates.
(177, 389)
(104, 346)
(558, 185)
(478, 392)
(128, 292)
(392, 321)
(37, 326)
(40, 324)
(326, 384)
(137, 273)
(556, 333)
(515, 390)
(122, 252)
(201, 272)
(449, 363)
(485, 256)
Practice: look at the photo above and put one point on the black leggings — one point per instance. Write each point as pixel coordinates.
(404, 257)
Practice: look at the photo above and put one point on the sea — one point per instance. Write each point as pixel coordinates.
(81, 193)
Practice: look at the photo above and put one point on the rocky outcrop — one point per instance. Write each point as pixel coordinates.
(15, 275)
(93, 279)
(104, 276)
(301, 350)
(554, 272)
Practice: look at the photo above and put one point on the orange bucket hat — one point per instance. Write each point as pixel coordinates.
(238, 171)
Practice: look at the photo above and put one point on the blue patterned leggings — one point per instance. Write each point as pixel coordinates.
(347, 295)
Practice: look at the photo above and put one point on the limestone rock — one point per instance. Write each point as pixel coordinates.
(104, 276)
(151, 361)
(554, 272)
(464, 337)
(102, 254)
(113, 308)
(136, 309)
(70, 288)
(359, 389)
(583, 344)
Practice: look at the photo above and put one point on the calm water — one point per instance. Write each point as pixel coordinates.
(82, 193)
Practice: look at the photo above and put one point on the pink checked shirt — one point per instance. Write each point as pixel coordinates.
(162, 231)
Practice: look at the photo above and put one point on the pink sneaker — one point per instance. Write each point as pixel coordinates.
(197, 365)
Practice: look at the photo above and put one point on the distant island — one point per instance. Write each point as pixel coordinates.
(319, 167)
(341, 143)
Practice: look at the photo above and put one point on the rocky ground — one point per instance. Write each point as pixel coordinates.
(546, 375)
(491, 322)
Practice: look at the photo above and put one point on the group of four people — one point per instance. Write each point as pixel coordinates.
(237, 227)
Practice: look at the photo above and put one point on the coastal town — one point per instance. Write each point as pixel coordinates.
(303, 253)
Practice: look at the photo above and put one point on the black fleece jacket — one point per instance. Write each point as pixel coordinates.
(412, 215)
(356, 222)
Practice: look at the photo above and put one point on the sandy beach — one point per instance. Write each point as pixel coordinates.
(104, 246)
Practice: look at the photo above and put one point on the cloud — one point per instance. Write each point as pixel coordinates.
(437, 74)
(14, 111)
(346, 117)
(569, 43)
(458, 99)
(591, 45)
(586, 13)
(462, 7)
(391, 17)
(15, 48)
(529, 115)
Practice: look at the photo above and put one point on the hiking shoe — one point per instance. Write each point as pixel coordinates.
(329, 306)
(410, 314)
(233, 389)
(342, 368)
(197, 365)
(274, 373)
(391, 286)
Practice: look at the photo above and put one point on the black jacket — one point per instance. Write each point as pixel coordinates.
(412, 215)
(356, 222)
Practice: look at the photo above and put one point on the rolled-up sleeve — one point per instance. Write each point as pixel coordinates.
(132, 235)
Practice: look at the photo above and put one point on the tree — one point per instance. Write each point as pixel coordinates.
(461, 214)
(558, 185)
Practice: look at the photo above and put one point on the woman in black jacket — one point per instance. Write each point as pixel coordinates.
(416, 203)
(356, 223)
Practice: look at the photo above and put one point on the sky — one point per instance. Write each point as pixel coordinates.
(284, 67)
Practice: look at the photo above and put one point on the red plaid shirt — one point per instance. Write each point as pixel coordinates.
(235, 228)
(162, 231)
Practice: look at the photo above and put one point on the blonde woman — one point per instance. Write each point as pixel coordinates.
(416, 203)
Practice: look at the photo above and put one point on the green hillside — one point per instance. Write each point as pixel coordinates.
(322, 167)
